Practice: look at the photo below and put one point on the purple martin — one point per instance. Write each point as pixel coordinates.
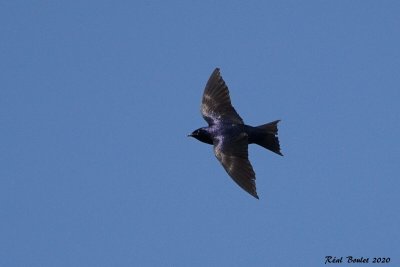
(229, 135)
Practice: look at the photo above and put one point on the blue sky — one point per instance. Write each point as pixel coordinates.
(97, 98)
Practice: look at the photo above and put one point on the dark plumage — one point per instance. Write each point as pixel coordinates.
(230, 136)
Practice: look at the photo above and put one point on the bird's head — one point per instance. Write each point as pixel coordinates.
(202, 135)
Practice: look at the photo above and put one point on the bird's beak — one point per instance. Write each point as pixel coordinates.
(189, 135)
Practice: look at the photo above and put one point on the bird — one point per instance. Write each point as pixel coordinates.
(230, 136)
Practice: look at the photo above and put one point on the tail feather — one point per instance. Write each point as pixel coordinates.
(268, 137)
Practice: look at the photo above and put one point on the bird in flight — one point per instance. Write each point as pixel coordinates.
(229, 135)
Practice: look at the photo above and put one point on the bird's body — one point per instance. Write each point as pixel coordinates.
(229, 130)
(229, 135)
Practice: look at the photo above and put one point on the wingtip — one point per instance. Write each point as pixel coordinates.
(254, 194)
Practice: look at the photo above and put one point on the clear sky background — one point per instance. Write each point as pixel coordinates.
(96, 100)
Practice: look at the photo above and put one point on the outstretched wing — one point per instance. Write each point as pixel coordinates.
(216, 104)
(233, 156)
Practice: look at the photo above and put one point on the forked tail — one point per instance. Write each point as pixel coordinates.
(268, 137)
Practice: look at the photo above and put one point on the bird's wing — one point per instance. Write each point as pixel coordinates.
(233, 156)
(216, 104)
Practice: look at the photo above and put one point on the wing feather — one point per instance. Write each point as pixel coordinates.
(216, 103)
(233, 155)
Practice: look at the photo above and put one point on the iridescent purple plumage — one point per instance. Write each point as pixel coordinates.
(230, 136)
